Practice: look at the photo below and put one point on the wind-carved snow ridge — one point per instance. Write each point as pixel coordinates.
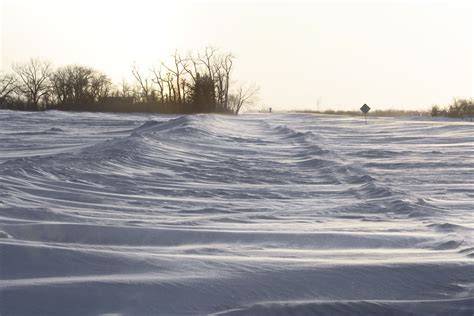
(337, 169)
(249, 215)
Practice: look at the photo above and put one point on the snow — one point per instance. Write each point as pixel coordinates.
(259, 214)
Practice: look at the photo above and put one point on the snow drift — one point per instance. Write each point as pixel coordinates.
(249, 215)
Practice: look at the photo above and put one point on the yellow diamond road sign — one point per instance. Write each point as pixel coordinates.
(365, 108)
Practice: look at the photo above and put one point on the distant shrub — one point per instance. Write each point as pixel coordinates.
(396, 113)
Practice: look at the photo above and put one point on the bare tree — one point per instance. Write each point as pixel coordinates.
(171, 88)
(101, 86)
(60, 85)
(75, 85)
(195, 63)
(82, 78)
(125, 89)
(244, 96)
(178, 70)
(219, 82)
(160, 81)
(7, 86)
(207, 59)
(185, 89)
(33, 79)
(227, 63)
(144, 83)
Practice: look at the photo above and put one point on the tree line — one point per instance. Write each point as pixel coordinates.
(192, 83)
(463, 108)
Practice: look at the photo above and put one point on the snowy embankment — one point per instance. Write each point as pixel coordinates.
(258, 214)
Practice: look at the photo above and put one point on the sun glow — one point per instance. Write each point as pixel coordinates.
(126, 31)
(403, 54)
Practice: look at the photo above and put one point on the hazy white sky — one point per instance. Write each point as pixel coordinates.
(401, 54)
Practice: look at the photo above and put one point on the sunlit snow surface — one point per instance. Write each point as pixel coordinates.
(250, 215)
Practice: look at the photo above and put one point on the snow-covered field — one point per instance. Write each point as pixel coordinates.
(250, 215)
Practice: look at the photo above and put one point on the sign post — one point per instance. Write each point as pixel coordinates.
(365, 109)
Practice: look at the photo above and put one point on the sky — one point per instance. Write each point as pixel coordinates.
(303, 55)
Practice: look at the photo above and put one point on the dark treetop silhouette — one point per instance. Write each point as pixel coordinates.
(191, 83)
